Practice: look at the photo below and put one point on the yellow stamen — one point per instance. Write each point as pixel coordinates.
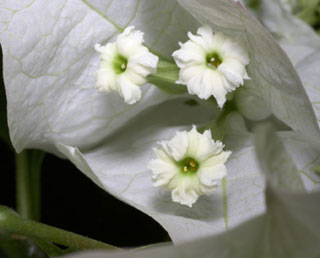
(185, 169)
(123, 66)
(192, 164)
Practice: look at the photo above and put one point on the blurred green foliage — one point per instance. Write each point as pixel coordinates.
(309, 11)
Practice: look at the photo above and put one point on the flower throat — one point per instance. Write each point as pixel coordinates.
(189, 165)
(120, 64)
(213, 60)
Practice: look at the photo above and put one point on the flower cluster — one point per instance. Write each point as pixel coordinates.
(191, 164)
(210, 65)
(52, 106)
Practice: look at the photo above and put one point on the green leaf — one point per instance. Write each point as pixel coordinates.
(309, 11)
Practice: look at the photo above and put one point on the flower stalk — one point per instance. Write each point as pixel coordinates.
(28, 183)
(166, 77)
(12, 223)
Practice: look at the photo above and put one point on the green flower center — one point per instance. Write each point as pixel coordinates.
(213, 60)
(189, 166)
(120, 64)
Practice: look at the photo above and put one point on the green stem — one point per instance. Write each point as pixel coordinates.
(227, 109)
(18, 247)
(225, 203)
(50, 249)
(166, 76)
(23, 193)
(28, 185)
(11, 223)
(13, 248)
(217, 126)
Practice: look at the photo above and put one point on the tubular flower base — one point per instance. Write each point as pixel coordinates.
(125, 64)
(211, 64)
(189, 165)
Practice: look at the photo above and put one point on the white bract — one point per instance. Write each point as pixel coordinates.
(288, 228)
(299, 41)
(190, 164)
(49, 65)
(211, 64)
(125, 64)
(273, 77)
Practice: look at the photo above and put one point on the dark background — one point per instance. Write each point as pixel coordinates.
(71, 201)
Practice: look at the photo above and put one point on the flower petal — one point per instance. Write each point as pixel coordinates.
(185, 193)
(210, 175)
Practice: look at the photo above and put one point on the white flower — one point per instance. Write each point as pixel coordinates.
(211, 64)
(125, 64)
(190, 165)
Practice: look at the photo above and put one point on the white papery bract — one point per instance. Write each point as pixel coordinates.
(125, 64)
(211, 64)
(189, 165)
